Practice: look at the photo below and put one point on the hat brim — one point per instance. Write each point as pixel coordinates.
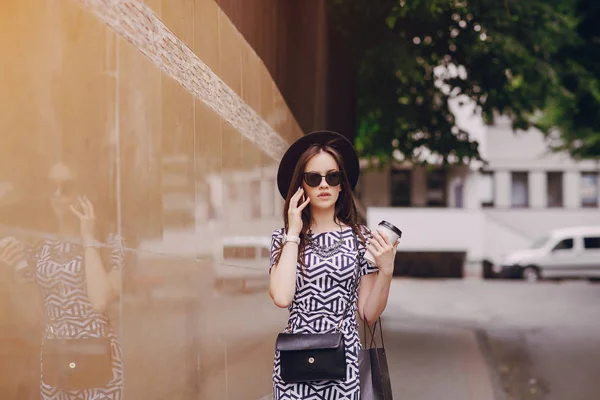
(292, 155)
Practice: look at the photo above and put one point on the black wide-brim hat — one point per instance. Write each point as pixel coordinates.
(328, 138)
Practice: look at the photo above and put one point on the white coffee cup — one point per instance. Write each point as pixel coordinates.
(391, 233)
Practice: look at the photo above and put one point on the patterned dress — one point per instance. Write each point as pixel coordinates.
(68, 313)
(323, 290)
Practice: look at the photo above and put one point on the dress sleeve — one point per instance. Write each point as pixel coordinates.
(276, 239)
(365, 267)
(25, 270)
(115, 252)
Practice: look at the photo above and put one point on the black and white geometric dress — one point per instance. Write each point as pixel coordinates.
(68, 313)
(323, 289)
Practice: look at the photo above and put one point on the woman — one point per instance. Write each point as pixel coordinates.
(313, 258)
(77, 277)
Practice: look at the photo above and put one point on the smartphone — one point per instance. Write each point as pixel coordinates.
(77, 206)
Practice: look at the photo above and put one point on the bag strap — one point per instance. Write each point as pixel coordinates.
(366, 326)
(372, 331)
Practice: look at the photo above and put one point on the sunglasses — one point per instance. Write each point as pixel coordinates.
(313, 179)
(64, 187)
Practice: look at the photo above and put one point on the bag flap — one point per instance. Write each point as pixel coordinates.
(308, 341)
(70, 347)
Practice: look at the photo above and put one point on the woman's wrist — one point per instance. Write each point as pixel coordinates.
(386, 273)
(90, 243)
(292, 232)
(291, 238)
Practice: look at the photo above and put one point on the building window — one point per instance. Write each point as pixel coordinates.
(436, 188)
(239, 252)
(520, 189)
(400, 186)
(459, 191)
(232, 190)
(255, 199)
(486, 189)
(589, 190)
(278, 201)
(267, 198)
(554, 189)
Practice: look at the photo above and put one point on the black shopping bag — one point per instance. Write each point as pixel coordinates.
(373, 369)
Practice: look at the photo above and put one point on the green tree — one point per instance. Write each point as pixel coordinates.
(574, 118)
(518, 59)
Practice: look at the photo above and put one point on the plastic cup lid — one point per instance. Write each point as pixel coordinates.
(391, 227)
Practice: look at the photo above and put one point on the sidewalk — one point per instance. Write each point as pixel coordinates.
(428, 360)
(432, 361)
(234, 335)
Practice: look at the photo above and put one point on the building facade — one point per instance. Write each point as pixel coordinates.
(484, 211)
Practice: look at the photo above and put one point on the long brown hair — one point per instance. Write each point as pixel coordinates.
(345, 208)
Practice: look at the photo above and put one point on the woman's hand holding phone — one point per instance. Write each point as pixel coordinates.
(297, 204)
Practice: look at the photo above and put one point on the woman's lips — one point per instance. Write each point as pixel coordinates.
(324, 195)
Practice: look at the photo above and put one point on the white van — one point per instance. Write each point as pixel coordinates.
(562, 253)
(243, 258)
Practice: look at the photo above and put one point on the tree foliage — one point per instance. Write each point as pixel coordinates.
(575, 117)
(524, 59)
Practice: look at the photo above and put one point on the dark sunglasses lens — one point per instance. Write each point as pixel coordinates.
(334, 178)
(312, 179)
(64, 187)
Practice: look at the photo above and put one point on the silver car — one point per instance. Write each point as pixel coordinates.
(563, 253)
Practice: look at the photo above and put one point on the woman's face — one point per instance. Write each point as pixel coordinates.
(324, 195)
(63, 192)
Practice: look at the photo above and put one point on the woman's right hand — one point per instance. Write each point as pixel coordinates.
(295, 212)
(11, 253)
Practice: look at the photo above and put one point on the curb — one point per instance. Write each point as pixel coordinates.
(484, 347)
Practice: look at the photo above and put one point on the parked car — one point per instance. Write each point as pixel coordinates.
(562, 253)
(243, 259)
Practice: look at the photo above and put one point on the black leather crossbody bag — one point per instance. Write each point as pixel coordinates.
(306, 357)
(72, 364)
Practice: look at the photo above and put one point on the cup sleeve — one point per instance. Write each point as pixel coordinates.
(365, 266)
(276, 245)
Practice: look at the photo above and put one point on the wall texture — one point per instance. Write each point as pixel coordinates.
(172, 125)
(308, 61)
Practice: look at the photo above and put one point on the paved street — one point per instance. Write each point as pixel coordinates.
(542, 341)
(446, 339)
(430, 361)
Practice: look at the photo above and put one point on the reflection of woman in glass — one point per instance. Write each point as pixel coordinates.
(78, 276)
(317, 269)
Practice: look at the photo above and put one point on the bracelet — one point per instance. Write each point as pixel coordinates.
(91, 243)
(291, 238)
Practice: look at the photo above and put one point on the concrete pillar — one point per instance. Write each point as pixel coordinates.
(471, 195)
(502, 188)
(375, 188)
(419, 187)
(571, 189)
(538, 191)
